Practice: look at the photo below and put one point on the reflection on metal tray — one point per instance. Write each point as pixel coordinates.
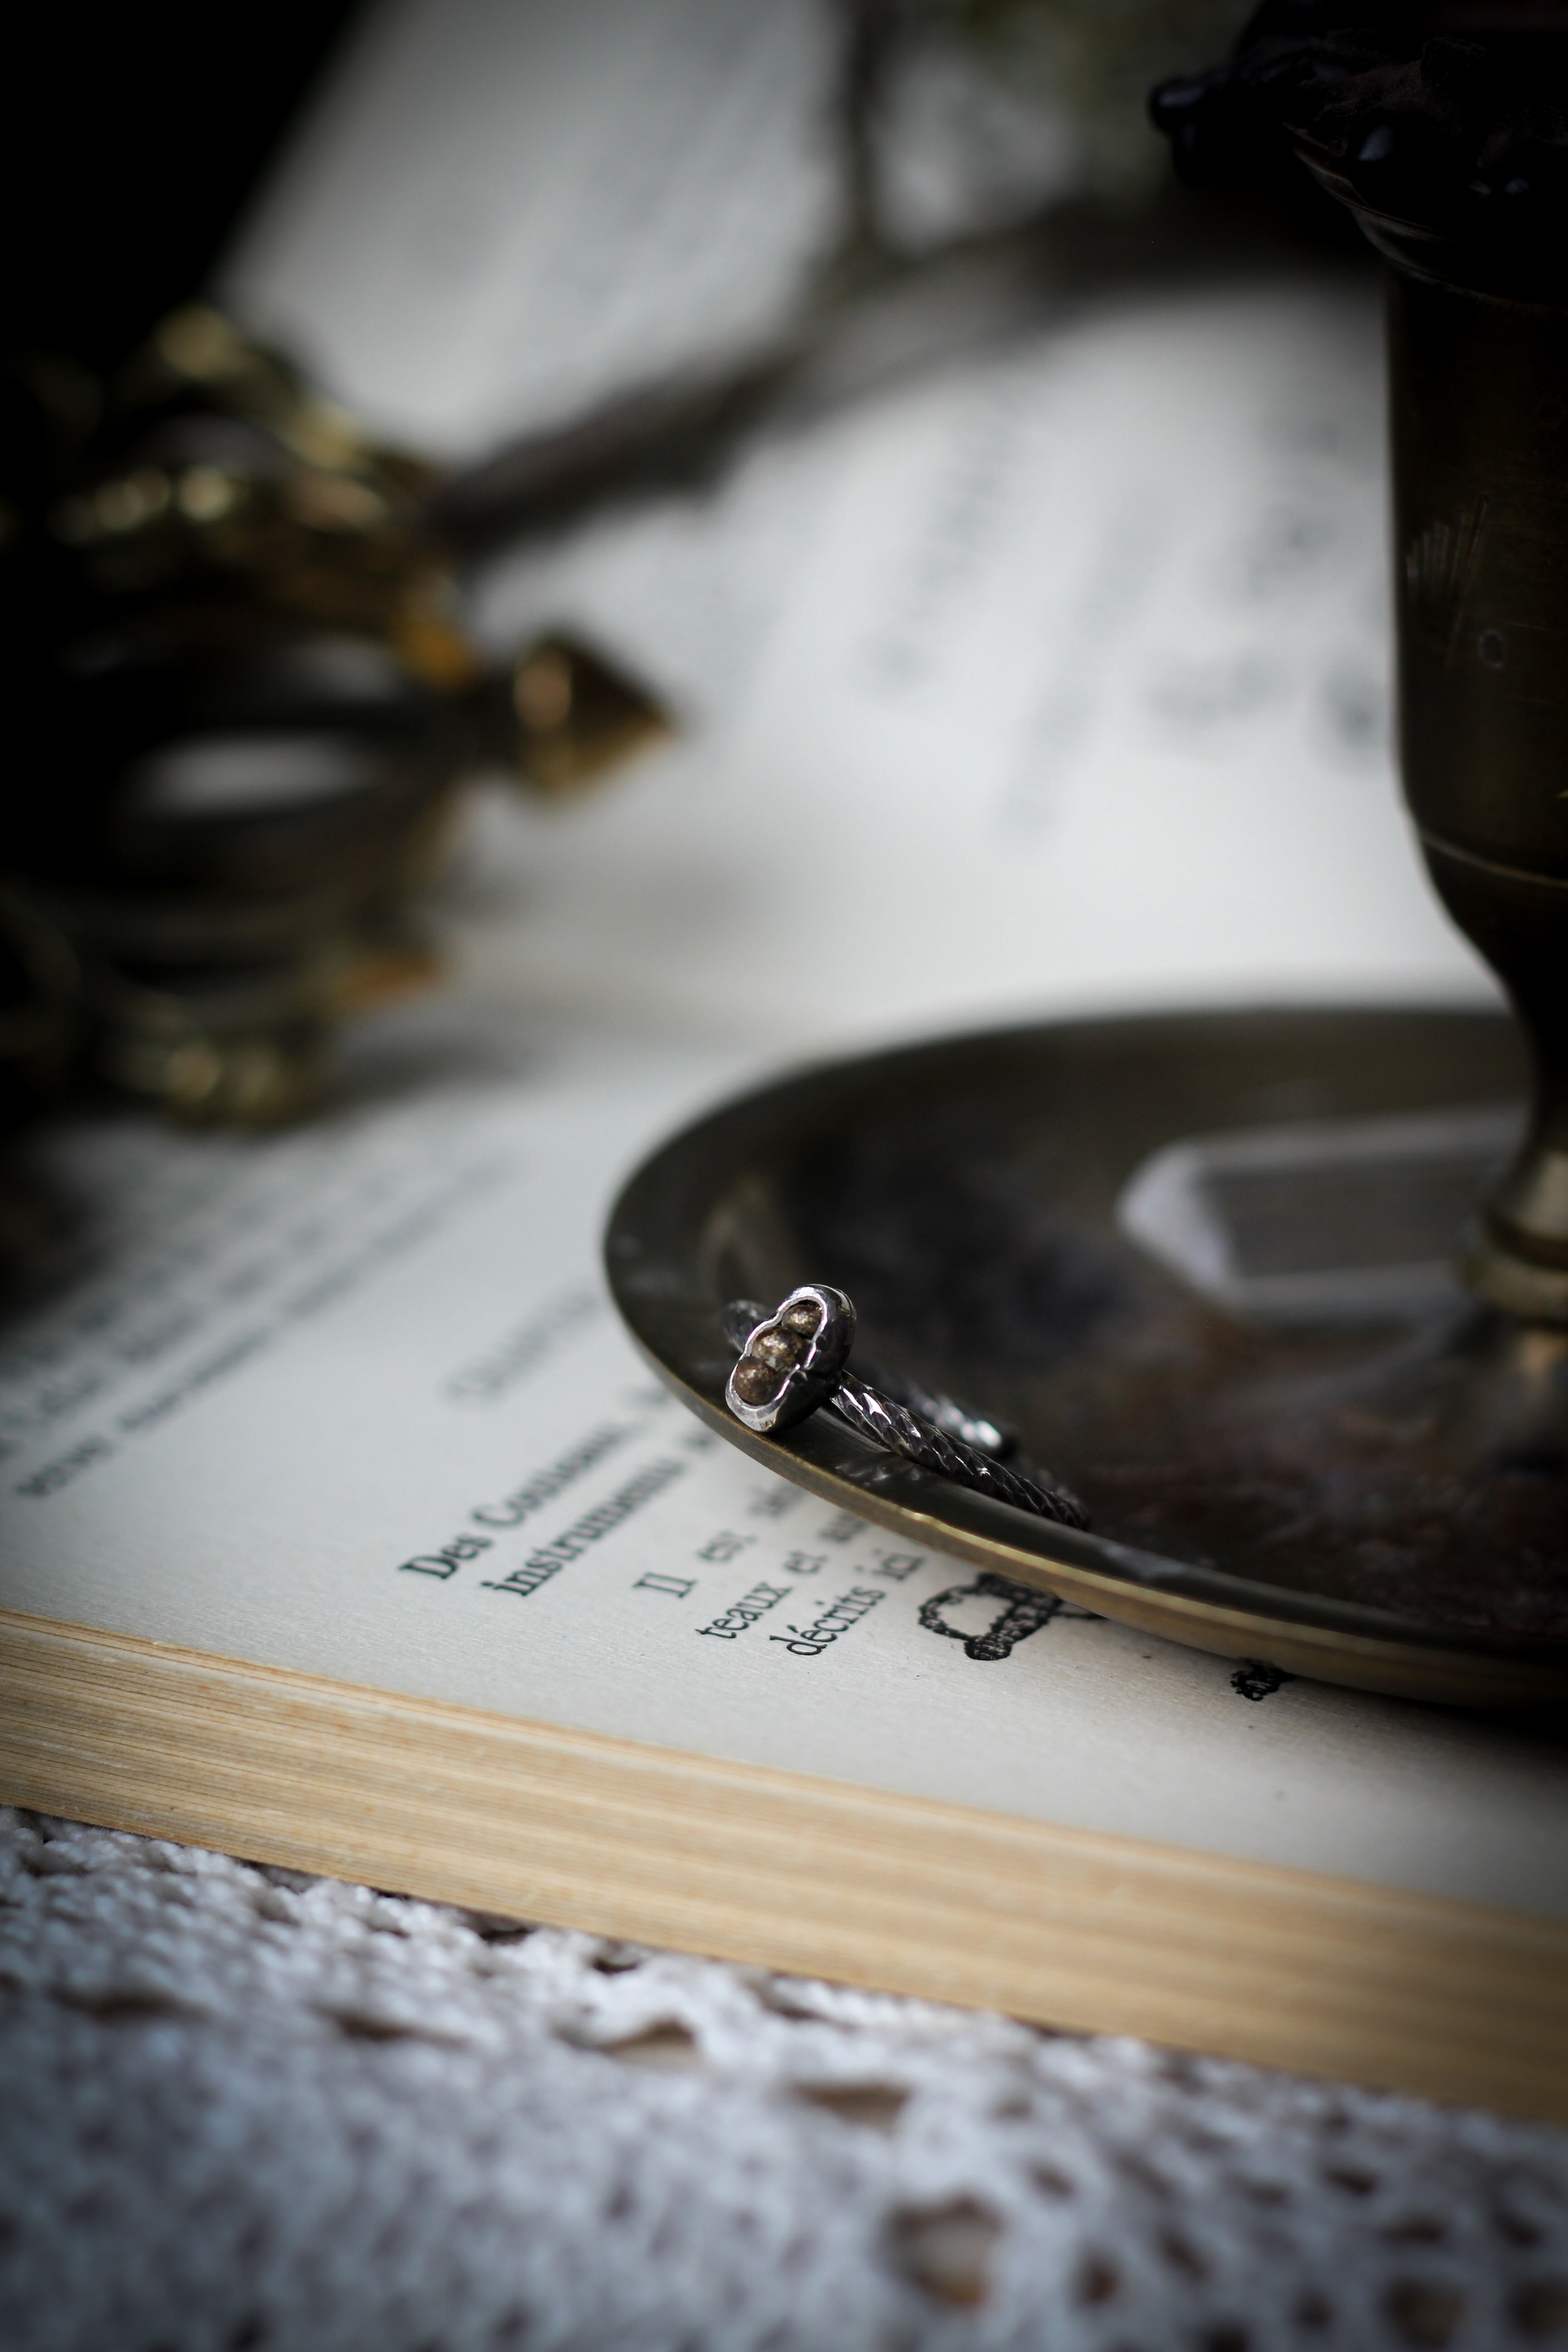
(1336, 1220)
(1196, 1260)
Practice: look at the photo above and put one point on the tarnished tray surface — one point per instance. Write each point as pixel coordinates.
(964, 1192)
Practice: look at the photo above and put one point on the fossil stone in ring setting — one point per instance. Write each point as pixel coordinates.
(793, 1360)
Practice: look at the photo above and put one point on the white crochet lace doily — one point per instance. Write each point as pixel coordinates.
(241, 2109)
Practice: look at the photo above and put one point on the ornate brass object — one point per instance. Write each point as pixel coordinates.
(251, 702)
(1481, 409)
(1479, 402)
(1440, 129)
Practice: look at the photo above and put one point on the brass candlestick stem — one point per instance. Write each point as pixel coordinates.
(1441, 130)
(1478, 350)
(1478, 393)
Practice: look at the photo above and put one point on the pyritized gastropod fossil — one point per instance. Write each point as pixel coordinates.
(792, 1361)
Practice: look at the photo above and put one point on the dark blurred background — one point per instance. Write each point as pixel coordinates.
(133, 136)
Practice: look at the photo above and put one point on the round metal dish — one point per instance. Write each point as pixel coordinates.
(1265, 1491)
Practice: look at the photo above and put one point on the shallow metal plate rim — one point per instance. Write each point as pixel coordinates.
(653, 1256)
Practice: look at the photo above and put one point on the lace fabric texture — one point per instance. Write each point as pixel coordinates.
(242, 2109)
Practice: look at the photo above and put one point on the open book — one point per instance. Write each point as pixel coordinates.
(340, 1526)
(343, 1527)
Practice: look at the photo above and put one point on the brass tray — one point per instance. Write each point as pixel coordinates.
(966, 1193)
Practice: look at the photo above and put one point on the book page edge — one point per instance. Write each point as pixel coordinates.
(1067, 1927)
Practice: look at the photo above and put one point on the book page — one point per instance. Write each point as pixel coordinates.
(1059, 678)
(498, 211)
(353, 1402)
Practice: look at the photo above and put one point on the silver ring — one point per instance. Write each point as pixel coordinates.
(796, 1360)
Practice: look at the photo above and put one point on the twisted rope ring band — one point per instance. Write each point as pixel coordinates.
(795, 1360)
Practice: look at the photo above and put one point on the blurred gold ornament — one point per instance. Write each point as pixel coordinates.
(240, 640)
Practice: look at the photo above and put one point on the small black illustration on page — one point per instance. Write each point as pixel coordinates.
(1021, 1611)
